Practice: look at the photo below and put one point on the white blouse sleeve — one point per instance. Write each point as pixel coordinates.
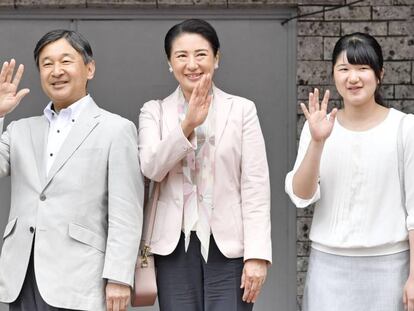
(305, 138)
(408, 139)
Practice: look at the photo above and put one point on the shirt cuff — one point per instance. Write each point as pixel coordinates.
(299, 202)
(117, 282)
(410, 222)
(192, 140)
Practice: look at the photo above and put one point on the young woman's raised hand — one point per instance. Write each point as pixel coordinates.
(9, 97)
(319, 125)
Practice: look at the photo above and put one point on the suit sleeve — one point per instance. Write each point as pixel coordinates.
(125, 195)
(255, 189)
(158, 157)
(4, 150)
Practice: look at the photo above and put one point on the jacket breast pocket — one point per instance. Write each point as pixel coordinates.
(90, 155)
(86, 236)
(86, 168)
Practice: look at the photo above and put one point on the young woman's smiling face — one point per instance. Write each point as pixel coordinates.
(355, 83)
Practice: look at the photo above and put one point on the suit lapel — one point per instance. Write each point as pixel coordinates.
(170, 112)
(86, 122)
(222, 103)
(39, 130)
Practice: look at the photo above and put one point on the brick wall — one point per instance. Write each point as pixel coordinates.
(151, 4)
(390, 21)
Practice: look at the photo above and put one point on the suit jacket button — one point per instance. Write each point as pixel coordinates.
(31, 229)
(42, 197)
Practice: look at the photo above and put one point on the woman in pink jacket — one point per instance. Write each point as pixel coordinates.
(212, 228)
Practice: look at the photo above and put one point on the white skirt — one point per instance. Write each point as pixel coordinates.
(369, 283)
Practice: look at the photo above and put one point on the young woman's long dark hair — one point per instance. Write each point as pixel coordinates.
(362, 49)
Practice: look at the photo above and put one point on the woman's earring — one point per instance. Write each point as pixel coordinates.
(216, 66)
(170, 69)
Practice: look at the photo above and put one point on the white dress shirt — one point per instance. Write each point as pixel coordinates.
(358, 210)
(60, 124)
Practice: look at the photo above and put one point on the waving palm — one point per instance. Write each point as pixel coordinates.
(9, 97)
(319, 125)
(199, 102)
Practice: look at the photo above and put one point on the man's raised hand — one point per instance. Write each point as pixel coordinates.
(9, 82)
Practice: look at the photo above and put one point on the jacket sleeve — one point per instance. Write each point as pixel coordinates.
(158, 156)
(255, 189)
(4, 150)
(303, 147)
(125, 196)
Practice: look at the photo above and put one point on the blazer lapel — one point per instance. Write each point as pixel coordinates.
(170, 112)
(86, 122)
(39, 131)
(222, 103)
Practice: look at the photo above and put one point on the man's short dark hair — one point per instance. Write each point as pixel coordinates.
(75, 39)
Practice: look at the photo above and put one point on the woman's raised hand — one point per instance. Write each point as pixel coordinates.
(319, 125)
(198, 105)
(9, 97)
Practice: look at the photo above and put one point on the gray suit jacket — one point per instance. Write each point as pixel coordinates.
(86, 214)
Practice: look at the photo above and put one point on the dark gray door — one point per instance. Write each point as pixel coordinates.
(257, 62)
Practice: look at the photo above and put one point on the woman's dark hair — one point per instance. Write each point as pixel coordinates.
(197, 26)
(362, 49)
(75, 39)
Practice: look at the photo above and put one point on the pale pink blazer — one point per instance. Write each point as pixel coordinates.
(240, 220)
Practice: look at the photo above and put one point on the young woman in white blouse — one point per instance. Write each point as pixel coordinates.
(348, 164)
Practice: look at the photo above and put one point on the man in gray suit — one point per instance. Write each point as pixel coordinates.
(75, 219)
